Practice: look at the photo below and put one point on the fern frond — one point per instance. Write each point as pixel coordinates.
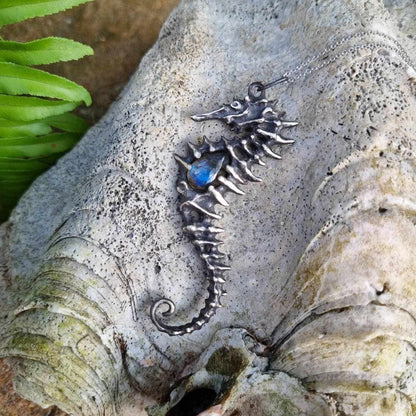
(27, 166)
(10, 128)
(21, 80)
(68, 122)
(32, 108)
(34, 147)
(42, 51)
(13, 11)
(36, 127)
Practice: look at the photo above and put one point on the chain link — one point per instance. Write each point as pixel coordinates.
(296, 73)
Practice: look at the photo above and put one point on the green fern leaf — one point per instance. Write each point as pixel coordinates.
(32, 108)
(68, 122)
(20, 80)
(33, 103)
(33, 147)
(13, 11)
(15, 180)
(10, 128)
(43, 51)
(13, 191)
(37, 165)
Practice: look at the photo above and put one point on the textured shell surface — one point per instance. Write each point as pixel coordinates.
(322, 251)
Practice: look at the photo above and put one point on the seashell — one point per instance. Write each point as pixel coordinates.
(322, 251)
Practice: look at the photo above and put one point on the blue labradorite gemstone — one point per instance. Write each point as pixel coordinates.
(204, 170)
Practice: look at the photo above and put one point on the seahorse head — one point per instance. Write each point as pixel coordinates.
(241, 114)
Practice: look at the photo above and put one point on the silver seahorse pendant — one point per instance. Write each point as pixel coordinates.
(208, 173)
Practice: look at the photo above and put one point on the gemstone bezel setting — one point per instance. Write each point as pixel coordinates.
(204, 171)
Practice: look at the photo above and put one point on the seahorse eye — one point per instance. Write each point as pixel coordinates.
(236, 105)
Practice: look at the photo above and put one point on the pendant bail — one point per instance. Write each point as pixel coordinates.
(256, 91)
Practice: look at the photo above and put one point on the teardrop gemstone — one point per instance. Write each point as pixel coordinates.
(204, 170)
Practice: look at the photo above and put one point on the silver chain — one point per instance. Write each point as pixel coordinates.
(296, 73)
